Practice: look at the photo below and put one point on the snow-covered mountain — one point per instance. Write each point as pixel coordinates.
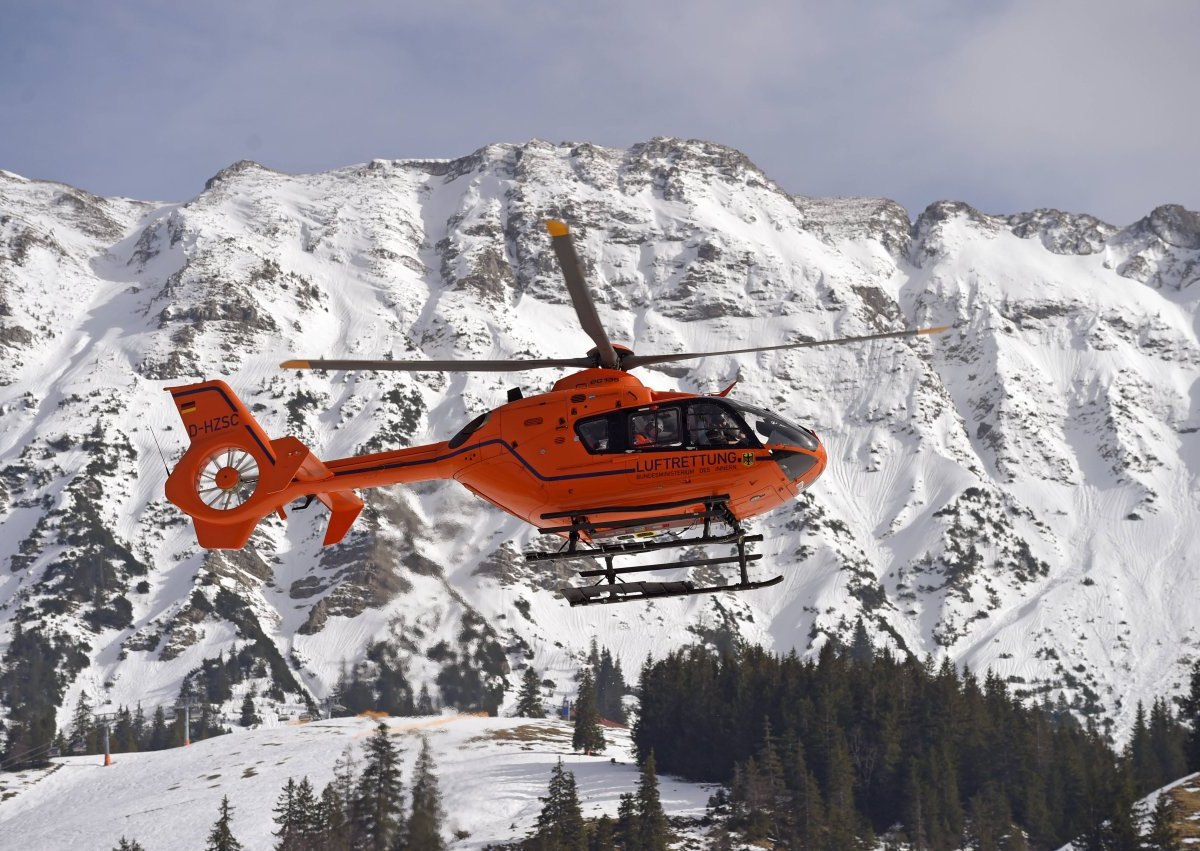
(1019, 493)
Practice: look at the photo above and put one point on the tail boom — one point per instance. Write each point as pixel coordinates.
(232, 475)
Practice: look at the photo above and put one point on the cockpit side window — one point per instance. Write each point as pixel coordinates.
(713, 424)
(773, 429)
(657, 428)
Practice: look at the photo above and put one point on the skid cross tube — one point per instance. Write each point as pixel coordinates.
(608, 589)
(634, 547)
(627, 592)
(695, 562)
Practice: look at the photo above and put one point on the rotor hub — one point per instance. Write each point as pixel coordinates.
(622, 352)
(227, 478)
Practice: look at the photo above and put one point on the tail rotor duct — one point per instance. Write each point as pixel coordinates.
(228, 479)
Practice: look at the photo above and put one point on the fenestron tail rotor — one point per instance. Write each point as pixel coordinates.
(228, 478)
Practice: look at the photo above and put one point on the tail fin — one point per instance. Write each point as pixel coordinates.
(233, 475)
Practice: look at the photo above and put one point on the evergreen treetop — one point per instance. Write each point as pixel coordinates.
(652, 821)
(377, 811)
(221, 837)
(529, 699)
(425, 820)
(560, 824)
(588, 736)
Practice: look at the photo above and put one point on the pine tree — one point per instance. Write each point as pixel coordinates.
(629, 826)
(123, 738)
(221, 837)
(588, 737)
(842, 818)
(139, 727)
(1140, 754)
(425, 822)
(377, 813)
(1190, 706)
(160, 737)
(308, 813)
(560, 823)
(129, 845)
(287, 819)
(652, 821)
(333, 825)
(603, 836)
(345, 776)
(807, 810)
(1164, 832)
(1169, 741)
(82, 726)
(529, 699)
(1120, 832)
(861, 649)
(300, 819)
(249, 717)
(424, 701)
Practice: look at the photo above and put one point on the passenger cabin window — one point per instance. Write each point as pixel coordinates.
(711, 424)
(655, 429)
(593, 434)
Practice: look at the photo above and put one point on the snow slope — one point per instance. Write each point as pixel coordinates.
(491, 772)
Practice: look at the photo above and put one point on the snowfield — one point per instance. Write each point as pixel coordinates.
(491, 772)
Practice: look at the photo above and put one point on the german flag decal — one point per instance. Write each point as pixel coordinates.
(187, 407)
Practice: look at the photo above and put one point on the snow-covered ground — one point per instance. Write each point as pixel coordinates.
(491, 772)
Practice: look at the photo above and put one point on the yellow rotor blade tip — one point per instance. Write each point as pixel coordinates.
(294, 364)
(939, 329)
(556, 227)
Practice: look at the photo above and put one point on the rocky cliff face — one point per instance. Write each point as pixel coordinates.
(1019, 493)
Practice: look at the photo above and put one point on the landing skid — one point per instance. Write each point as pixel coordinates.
(607, 589)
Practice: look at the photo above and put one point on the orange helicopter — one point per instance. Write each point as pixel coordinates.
(611, 466)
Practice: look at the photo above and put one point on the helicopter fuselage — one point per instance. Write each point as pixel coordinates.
(578, 447)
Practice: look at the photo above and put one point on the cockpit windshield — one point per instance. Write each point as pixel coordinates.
(773, 429)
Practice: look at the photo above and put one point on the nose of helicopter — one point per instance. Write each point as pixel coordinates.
(814, 473)
(802, 464)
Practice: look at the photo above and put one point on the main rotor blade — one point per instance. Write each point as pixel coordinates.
(585, 308)
(438, 365)
(632, 361)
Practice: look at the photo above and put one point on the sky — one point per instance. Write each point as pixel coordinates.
(1083, 105)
